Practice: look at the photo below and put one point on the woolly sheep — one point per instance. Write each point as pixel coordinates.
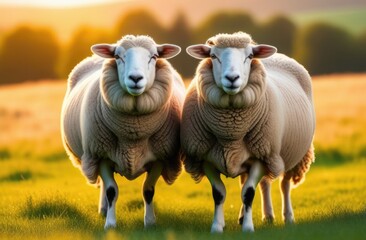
(121, 113)
(250, 117)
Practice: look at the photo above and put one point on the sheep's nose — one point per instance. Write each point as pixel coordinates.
(232, 77)
(135, 77)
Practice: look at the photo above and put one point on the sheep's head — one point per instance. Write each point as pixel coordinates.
(136, 57)
(231, 56)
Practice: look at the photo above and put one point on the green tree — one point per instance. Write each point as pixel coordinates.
(225, 22)
(180, 34)
(79, 46)
(279, 32)
(29, 54)
(323, 49)
(140, 22)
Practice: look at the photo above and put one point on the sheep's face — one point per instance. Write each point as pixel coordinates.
(136, 69)
(136, 65)
(231, 65)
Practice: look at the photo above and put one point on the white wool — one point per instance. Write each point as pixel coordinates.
(100, 120)
(275, 111)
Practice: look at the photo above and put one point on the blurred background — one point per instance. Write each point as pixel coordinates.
(47, 38)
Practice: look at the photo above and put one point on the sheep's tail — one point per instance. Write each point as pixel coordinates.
(84, 67)
(299, 171)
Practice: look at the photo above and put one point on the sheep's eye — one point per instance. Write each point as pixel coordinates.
(118, 57)
(153, 57)
(250, 56)
(213, 56)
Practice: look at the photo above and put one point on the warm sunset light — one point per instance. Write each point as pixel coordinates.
(55, 3)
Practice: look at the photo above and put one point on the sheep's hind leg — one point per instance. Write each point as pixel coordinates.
(219, 194)
(148, 193)
(267, 209)
(242, 180)
(111, 193)
(285, 184)
(103, 202)
(255, 174)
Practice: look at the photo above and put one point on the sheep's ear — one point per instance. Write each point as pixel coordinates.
(167, 50)
(104, 50)
(263, 51)
(199, 51)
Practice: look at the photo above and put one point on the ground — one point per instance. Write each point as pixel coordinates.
(44, 196)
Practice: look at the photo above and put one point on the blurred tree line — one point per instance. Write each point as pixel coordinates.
(35, 53)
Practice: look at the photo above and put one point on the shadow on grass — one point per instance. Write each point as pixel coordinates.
(20, 176)
(4, 154)
(55, 157)
(334, 157)
(188, 224)
(135, 205)
(57, 209)
(194, 225)
(339, 225)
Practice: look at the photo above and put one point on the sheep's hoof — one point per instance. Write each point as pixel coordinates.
(109, 225)
(248, 228)
(268, 220)
(149, 222)
(217, 228)
(289, 220)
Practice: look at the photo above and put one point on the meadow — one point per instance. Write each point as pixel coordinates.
(44, 196)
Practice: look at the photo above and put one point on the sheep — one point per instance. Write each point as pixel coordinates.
(122, 113)
(248, 112)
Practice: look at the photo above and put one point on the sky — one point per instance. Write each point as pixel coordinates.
(54, 3)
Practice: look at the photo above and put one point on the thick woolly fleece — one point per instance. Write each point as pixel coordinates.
(271, 119)
(101, 121)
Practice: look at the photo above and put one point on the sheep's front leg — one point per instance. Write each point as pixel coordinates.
(288, 214)
(148, 193)
(242, 180)
(219, 194)
(255, 174)
(267, 209)
(111, 193)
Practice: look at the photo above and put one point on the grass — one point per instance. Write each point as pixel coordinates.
(44, 196)
(61, 204)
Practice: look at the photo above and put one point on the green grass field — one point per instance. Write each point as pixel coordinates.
(44, 197)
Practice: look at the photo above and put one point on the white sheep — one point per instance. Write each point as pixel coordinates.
(121, 113)
(247, 117)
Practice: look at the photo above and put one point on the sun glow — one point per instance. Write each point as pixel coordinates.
(54, 3)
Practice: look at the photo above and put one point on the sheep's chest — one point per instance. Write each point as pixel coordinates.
(133, 127)
(228, 124)
(230, 157)
(229, 154)
(132, 158)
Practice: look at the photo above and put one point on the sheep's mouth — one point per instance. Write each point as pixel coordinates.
(135, 90)
(136, 87)
(231, 90)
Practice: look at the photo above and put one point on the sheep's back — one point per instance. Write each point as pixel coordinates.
(83, 69)
(295, 105)
(281, 64)
(71, 116)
